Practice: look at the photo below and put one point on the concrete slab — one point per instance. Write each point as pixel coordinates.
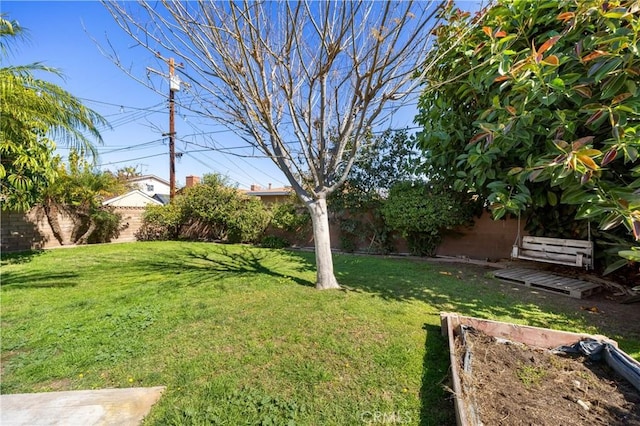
(104, 407)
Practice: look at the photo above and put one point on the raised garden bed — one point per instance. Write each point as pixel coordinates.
(507, 374)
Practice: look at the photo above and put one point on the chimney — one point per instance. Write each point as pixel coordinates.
(192, 181)
(255, 187)
(269, 185)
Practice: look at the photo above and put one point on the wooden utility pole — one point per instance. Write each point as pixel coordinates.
(174, 86)
(172, 132)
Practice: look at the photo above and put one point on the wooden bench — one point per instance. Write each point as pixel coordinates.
(555, 250)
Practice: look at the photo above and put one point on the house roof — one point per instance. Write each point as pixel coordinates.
(131, 194)
(261, 192)
(163, 198)
(267, 193)
(145, 177)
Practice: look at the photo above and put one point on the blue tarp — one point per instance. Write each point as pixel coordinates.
(597, 350)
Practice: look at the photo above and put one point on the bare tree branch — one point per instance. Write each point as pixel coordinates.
(322, 72)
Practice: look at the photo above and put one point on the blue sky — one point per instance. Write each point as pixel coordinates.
(57, 37)
(61, 35)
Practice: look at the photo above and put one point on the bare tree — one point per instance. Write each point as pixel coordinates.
(304, 82)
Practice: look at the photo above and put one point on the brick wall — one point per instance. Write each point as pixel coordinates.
(487, 239)
(131, 221)
(23, 231)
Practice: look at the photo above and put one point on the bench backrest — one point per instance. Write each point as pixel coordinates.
(555, 250)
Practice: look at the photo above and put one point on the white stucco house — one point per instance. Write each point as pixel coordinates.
(150, 185)
(145, 190)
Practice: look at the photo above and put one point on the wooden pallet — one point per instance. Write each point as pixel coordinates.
(548, 282)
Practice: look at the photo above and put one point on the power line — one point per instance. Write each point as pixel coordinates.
(132, 159)
(222, 151)
(116, 148)
(211, 168)
(142, 112)
(147, 156)
(130, 119)
(252, 178)
(255, 168)
(243, 157)
(123, 106)
(137, 146)
(292, 142)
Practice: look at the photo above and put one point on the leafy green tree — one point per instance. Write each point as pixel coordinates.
(35, 113)
(128, 172)
(79, 191)
(160, 223)
(384, 160)
(213, 210)
(538, 106)
(225, 213)
(423, 211)
(289, 216)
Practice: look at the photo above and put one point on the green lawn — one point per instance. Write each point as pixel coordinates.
(240, 336)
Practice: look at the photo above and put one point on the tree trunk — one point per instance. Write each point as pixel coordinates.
(51, 211)
(78, 225)
(85, 237)
(324, 260)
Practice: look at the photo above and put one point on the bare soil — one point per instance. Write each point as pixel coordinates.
(513, 384)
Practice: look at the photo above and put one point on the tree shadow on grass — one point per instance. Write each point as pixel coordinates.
(39, 279)
(14, 258)
(256, 262)
(445, 288)
(25, 278)
(462, 289)
(188, 266)
(221, 262)
(470, 290)
(436, 403)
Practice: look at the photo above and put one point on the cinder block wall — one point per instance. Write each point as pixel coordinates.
(131, 221)
(487, 239)
(23, 231)
(17, 233)
(31, 230)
